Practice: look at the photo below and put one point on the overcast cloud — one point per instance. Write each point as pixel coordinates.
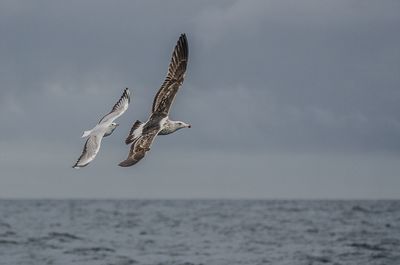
(287, 99)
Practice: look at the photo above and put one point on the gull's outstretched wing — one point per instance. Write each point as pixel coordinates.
(176, 73)
(90, 150)
(140, 146)
(119, 108)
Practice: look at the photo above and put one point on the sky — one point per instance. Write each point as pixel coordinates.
(287, 99)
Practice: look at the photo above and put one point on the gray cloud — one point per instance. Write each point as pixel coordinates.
(273, 89)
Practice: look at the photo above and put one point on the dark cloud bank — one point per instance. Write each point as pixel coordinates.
(288, 99)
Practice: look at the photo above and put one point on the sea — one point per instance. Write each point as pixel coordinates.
(199, 232)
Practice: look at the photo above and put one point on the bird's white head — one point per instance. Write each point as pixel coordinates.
(181, 124)
(111, 128)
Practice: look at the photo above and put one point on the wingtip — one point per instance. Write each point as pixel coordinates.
(77, 166)
(127, 163)
(184, 42)
(183, 37)
(123, 164)
(128, 94)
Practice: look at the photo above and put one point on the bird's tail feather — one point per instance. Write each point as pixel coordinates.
(134, 133)
(86, 133)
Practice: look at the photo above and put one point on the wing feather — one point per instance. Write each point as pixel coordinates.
(132, 134)
(118, 109)
(176, 73)
(139, 147)
(90, 150)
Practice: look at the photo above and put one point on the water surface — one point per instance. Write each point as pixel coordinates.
(194, 232)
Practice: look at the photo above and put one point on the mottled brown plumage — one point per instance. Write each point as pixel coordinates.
(139, 147)
(142, 135)
(176, 73)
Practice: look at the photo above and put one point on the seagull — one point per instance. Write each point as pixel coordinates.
(142, 135)
(104, 128)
